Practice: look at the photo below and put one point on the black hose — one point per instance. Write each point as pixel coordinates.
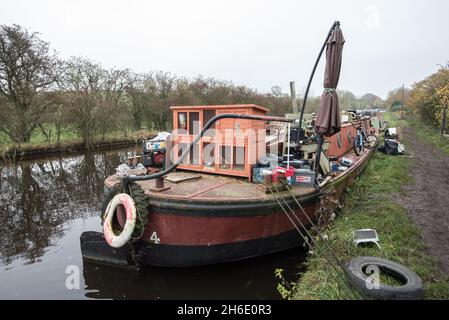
(335, 25)
(128, 179)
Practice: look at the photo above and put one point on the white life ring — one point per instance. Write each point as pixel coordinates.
(114, 240)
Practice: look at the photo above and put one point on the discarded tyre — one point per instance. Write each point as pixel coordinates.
(108, 196)
(141, 202)
(412, 288)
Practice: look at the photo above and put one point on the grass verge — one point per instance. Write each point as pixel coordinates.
(430, 134)
(370, 203)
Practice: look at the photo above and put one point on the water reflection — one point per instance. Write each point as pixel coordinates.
(46, 205)
(38, 197)
(247, 279)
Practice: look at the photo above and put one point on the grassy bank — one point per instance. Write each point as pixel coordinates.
(430, 134)
(69, 145)
(370, 203)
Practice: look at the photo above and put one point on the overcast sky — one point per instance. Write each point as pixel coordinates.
(256, 43)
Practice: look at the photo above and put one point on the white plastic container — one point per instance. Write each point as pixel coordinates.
(346, 162)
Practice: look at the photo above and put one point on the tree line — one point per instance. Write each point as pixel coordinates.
(427, 98)
(430, 97)
(41, 92)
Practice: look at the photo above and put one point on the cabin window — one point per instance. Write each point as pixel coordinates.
(195, 154)
(194, 123)
(209, 154)
(339, 140)
(207, 115)
(238, 158)
(224, 148)
(181, 148)
(349, 136)
(182, 121)
(225, 157)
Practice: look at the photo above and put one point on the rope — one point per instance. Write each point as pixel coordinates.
(288, 216)
(316, 229)
(330, 90)
(344, 279)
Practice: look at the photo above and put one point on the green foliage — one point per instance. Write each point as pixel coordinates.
(429, 96)
(430, 134)
(285, 288)
(396, 108)
(396, 103)
(395, 97)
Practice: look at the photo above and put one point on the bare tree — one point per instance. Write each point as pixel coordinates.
(26, 72)
(38, 91)
(159, 96)
(136, 93)
(82, 83)
(114, 102)
(57, 117)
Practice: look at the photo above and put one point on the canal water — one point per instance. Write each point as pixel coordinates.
(45, 205)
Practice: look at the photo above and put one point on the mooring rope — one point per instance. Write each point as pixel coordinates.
(288, 216)
(351, 286)
(316, 229)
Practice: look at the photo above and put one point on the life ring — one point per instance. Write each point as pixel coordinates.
(140, 202)
(119, 240)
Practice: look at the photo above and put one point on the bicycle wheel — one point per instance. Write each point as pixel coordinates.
(370, 141)
(358, 144)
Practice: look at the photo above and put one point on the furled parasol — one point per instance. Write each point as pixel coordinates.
(328, 117)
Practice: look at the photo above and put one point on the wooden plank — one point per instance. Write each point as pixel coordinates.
(178, 177)
(324, 163)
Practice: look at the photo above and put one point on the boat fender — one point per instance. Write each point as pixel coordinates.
(107, 197)
(119, 240)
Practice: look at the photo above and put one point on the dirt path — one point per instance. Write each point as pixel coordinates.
(428, 200)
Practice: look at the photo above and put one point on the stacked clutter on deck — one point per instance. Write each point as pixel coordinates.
(342, 165)
(273, 168)
(154, 150)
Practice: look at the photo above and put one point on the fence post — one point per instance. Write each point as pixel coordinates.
(443, 122)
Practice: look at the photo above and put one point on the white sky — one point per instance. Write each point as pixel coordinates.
(258, 43)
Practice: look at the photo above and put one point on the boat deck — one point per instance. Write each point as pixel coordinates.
(187, 185)
(207, 187)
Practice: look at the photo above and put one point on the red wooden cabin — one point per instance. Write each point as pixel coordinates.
(230, 147)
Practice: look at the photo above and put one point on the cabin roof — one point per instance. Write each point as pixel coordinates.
(225, 106)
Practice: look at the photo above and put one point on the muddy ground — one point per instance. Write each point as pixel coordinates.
(427, 201)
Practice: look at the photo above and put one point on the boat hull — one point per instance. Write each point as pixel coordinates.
(184, 233)
(185, 237)
(197, 255)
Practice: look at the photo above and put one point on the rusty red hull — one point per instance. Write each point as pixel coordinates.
(207, 225)
(184, 233)
(190, 234)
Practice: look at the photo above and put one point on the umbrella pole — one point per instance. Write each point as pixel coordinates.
(335, 25)
(318, 154)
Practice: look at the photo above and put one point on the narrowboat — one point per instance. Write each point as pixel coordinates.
(209, 202)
